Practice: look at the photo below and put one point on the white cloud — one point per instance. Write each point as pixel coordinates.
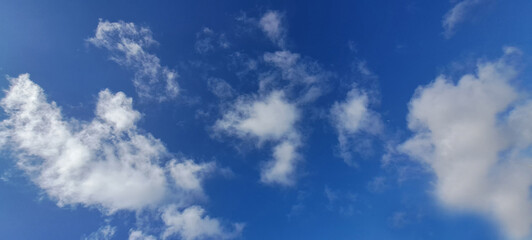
(191, 223)
(281, 169)
(271, 24)
(127, 44)
(139, 235)
(351, 118)
(475, 136)
(457, 14)
(105, 163)
(103, 233)
(188, 175)
(271, 118)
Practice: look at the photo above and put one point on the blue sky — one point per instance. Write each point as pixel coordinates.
(266, 120)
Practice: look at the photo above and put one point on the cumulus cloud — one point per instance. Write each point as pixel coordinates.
(271, 118)
(127, 44)
(351, 118)
(282, 168)
(191, 223)
(271, 24)
(458, 14)
(475, 135)
(107, 162)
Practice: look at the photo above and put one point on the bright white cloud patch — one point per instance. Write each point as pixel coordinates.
(476, 136)
(271, 25)
(127, 44)
(458, 14)
(106, 162)
(272, 118)
(352, 117)
(191, 223)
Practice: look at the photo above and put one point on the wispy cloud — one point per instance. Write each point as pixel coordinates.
(352, 118)
(128, 45)
(302, 77)
(207, 40)
(458, 14)
(103, 233)
(272, 25)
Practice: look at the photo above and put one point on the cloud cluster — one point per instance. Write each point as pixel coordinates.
(106, 163)
(268, 118)
(287, 82)
(476, 136)
(127, 44)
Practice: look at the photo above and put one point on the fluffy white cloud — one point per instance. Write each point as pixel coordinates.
(475, 135)
(127, 44)
(105, 163)
(191, 223)
(271, 24)
(457, 14)
(271, 118)
(352, 117)
(281, 169)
